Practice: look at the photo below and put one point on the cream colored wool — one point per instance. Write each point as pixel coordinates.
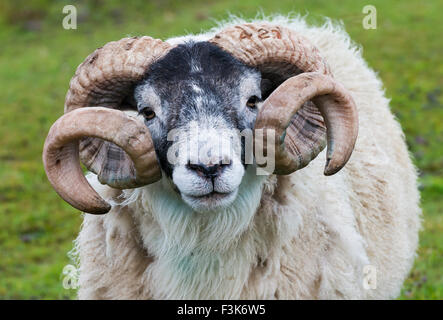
(303, 236)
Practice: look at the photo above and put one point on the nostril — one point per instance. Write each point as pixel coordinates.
(207, 171)
(210, 171)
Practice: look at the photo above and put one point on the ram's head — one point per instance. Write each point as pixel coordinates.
(248, 77)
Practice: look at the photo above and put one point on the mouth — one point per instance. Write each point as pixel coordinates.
(214, 195)
(210, 201)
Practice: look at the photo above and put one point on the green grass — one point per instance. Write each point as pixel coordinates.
(38, 57)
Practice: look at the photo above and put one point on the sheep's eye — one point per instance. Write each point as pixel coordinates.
(148, 113)
(252, 102)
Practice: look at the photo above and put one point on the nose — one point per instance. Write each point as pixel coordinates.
(209, 171)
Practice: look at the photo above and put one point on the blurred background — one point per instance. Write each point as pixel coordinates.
(38, 57)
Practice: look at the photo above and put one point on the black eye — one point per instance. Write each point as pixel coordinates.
(148, 113)
(252, 102)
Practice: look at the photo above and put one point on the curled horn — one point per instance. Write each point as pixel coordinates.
(304, 79)
(335, 105)
(116, 147)
(60, 153)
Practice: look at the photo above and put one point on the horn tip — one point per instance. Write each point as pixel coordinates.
(99, 210)
(331, 168)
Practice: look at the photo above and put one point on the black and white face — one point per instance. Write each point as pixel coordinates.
(198, 101)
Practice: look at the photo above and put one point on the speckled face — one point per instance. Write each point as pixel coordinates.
(197, 102)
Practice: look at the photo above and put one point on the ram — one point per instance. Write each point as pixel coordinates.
(182, 223)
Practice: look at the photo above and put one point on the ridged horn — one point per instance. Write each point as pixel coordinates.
(280, 54)
(104, 81)
(335, 105)
(60, 153)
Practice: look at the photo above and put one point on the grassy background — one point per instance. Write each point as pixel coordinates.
(38, 58)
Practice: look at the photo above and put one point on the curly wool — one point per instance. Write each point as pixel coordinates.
(303, 236)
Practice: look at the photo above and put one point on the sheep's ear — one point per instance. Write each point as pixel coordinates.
(306, 133)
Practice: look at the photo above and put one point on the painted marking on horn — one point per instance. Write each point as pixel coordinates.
(266, 34)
